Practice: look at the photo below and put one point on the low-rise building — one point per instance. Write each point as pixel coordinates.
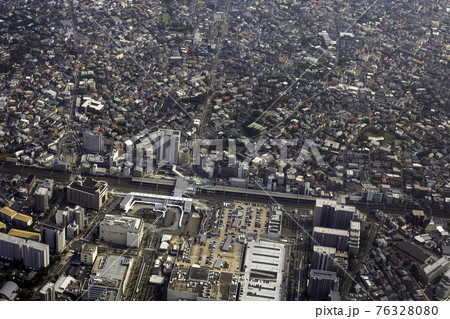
(25, 234)
(89, 254)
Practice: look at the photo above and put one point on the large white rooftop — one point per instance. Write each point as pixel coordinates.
(122, 221)
(265, 262)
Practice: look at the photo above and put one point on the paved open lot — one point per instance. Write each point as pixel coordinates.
(253, 219)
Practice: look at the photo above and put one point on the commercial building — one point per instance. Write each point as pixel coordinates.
(108, 280)
(89, 254)
(184, 203)
(264, 271)
(432, 271)
(328, 213)
(122, 230)
(321, 283)
(88, 193)
(47, 293)
(274, 225)
(201, 283)
(36, 255)
(330, 237)
(93, 142)
(54, 236)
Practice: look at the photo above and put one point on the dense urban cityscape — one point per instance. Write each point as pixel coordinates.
(235, 150)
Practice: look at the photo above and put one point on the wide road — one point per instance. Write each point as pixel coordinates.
(219, 36)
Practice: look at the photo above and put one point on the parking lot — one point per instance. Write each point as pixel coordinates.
(236, 220)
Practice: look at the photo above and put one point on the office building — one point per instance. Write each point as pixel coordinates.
(30, 182)
(88, 193)
(89, 254)
(93, 142)
(62, 218)
(443, 288)
(70, 215)
(371, 193)
(274, 226)
(330, 237)
(54, 236)
(416, 217)
(41, 200)
(47, 293)
(328, 213)
(43, 194)
(77, 215)
(72, 230)
(432, 271)
(36, 255)
(122, 230)
(321, 283)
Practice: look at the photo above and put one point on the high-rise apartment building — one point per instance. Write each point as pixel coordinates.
(328, 213)
(54, 236)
